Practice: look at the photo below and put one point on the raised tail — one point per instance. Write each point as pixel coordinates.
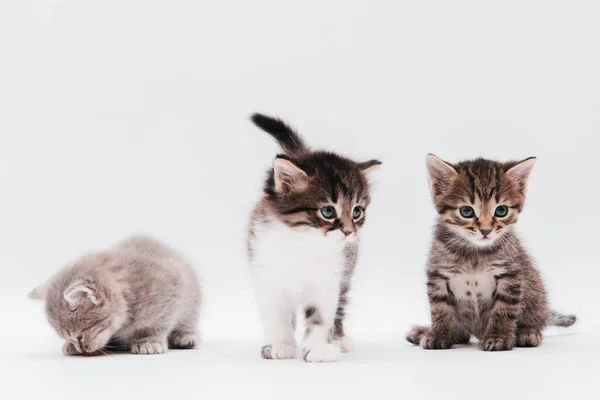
(287, 138)
(558, 319)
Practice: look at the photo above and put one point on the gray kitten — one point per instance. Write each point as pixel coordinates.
(139, 294)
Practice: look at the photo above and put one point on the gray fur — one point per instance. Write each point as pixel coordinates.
(139, 294)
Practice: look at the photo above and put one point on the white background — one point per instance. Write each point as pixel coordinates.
(132, 116)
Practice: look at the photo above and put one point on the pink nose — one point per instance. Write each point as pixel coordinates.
(485, 232)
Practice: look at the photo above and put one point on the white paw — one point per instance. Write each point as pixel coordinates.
(346, 344)
(148, 347)
(279, 351)
(322, 353)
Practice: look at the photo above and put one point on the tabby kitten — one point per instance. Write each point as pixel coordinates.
(139, 294)
(480, 279)
(302, 244)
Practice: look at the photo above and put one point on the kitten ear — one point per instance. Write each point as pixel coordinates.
(369, 167)
(81, 290)
(440, 174)
(288, 176)
(520, 172)
(39, 293)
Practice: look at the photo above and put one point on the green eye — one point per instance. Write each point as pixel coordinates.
(328, 212)
(467, 212)
(501, 211)
(357, 212)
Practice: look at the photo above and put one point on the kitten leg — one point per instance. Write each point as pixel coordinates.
(505, 309)
(339, 337)
(185, 333)
(278, 321)
(444, 332)
(320, 316)
(535, 310)
(150, 341)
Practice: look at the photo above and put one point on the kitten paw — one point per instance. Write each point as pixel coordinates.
(345, 343)
(279, 351)
(70, 350)
(322, 353)
(182, 340)
(431, 342)
(529, 338)
(416, 334)
(148, 347)
(496, 343)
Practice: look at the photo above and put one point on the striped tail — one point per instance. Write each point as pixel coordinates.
(558, 319)
(288, 139)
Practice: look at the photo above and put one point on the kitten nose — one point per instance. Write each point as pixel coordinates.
(485, 232)
(347, 232)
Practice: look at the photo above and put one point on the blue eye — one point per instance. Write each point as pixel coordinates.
(357, 212)
(328, 212)
(501, 211)
(467, 212)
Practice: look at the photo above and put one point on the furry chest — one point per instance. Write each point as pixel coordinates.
(473, 288)
(295, 259)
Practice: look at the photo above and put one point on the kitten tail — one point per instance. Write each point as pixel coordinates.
(558, 319)
(288, 139)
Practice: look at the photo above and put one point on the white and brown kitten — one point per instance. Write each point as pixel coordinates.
(139, 294)
(302, 244)
(480, 279)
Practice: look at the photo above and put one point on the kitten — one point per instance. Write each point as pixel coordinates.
(139, 294)
(480, 279)
(302, 244)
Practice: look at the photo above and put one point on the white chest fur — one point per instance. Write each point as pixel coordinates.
(296, 261)
(473, 287)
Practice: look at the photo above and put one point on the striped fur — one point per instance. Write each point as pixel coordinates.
(480, 279)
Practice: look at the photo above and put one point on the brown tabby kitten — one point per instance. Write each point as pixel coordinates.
(480, 279)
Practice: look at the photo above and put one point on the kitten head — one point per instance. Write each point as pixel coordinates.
(478, 201)
(83, 310)
(316, 191)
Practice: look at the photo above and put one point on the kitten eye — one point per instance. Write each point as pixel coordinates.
(328, 212)
(357, 212)
(501, 211)
(467, 212)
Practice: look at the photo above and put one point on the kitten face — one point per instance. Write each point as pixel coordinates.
(478, 201)
(320, 192)
(83, 313)
(89, 328)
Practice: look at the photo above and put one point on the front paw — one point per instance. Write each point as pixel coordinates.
(325, 352)
(529, 338)
(279, 351)
(496, 343)
(148, 346)
(70, 350)
(431, 342)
